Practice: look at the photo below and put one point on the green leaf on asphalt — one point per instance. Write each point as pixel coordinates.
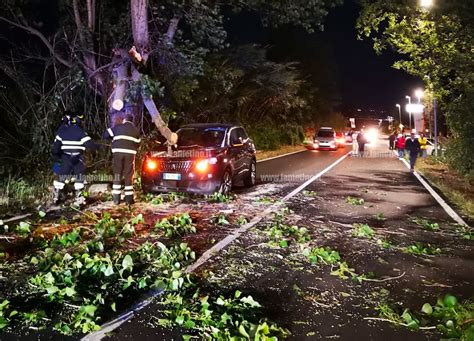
(250, 301)
(89, 309)
(427, 309)
(127, 262)
(109, 271)
(52, 289)
(450, 301)
(179, 320)
(69, 291)
(243, 332)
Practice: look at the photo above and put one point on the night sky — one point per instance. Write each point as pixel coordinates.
(366, 80)
(363, 79)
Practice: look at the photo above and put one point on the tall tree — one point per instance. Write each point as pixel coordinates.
(170, 37)
(435, 44)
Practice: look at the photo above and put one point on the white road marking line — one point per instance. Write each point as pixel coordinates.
(440, 200)
(115, 323)
(126, 316)
(279, 156)
(230, 238)
(317, 176)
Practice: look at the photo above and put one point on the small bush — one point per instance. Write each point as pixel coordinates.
(18, 193)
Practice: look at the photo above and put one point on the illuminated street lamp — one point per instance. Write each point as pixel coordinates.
(426, 3)
(419, 93)
(399, 112)
(409, 112)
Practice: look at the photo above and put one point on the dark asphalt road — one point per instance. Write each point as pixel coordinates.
(292, 170)
(388, 193)
(295, 167)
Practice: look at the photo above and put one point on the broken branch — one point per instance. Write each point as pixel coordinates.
(42, 38)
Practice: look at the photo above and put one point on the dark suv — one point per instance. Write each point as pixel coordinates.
(209, 158)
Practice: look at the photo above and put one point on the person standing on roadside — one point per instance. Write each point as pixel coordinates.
(423, 145)
(391, 140)
(125, 140)
(70, 143)
(412, 145)
(361, 141)
(355, 147)
(400, 145)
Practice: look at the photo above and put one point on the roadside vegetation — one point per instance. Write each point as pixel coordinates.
(420, 36)
(74, 273)
(458, 189)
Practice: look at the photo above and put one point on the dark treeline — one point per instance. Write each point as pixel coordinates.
(59, 55)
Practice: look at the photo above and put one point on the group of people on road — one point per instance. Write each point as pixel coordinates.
(72, 141)
(359, 140)
(414, 145)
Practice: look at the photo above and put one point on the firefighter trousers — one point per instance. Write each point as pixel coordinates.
(123, 166)
(72, 169)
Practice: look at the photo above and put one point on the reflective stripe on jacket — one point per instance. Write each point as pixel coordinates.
(72, 140)
(125, 138)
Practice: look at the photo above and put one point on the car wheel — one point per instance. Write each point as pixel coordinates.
(226, 183)
(251, 178)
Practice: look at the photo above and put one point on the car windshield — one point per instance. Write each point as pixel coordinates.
(325, 133)
(200, 137)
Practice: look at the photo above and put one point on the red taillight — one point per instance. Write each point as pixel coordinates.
(202, 165)
(151, 164)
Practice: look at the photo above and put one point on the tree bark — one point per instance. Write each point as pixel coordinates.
(139, 14)
(85, 37)
(171, 137)
(91, 14)
(173, 26)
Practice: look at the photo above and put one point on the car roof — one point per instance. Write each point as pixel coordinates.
(326, 128)
(209, 125)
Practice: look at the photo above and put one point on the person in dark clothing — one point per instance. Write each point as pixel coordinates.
(412, 145)
(69, 145)
(391, 140)
(361, 141)
(125, 140)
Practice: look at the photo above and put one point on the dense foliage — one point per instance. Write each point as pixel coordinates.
(60, 56)
(436, 45)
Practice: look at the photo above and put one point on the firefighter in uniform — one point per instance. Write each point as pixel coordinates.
(125, 140)
(69, 145)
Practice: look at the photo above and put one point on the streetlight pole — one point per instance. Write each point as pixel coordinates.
(418, 93)
(409, 113)
(399, 113)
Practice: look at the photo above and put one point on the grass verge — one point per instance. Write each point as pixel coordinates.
(265, 154)
(458, 189)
